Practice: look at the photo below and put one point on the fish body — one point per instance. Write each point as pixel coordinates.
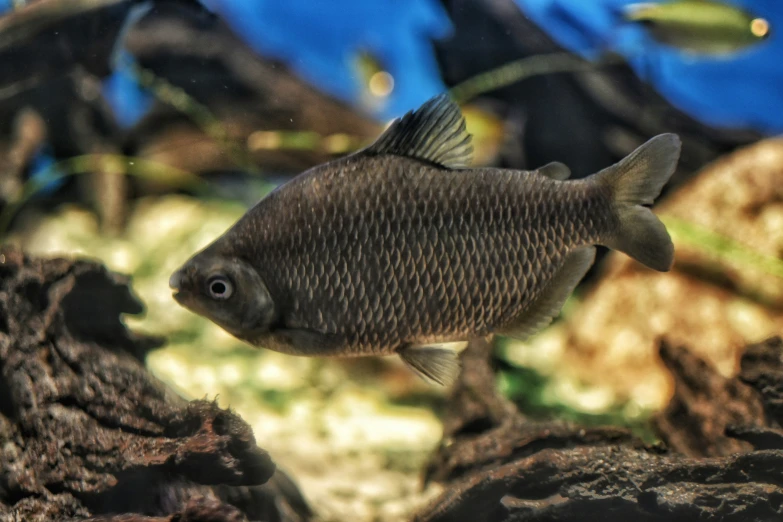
(399, 248)
(699, 26)
(381, 252)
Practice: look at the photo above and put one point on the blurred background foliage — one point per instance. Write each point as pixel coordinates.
(138, 131)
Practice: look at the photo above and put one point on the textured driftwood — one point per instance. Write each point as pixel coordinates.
(84, 36)
(483, 430)
(499, 467)
(86, 431)
(54, 64)
(175, 44)
(704, 405)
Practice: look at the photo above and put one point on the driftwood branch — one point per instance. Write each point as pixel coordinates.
(86, 431)
(721, 461)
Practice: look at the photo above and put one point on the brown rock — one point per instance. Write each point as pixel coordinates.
(705, 404)
(85, 430)
(556, 472)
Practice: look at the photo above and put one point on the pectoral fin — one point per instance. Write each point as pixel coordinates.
(432, 363)
(545, 308)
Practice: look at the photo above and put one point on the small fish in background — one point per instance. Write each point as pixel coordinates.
(699, 26)
(401, 248)
(375, 82)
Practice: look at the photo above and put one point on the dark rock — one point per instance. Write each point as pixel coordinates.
(83, 34)
(762, 368)
(198, 509)
(481, 429)
(85, 430)
(614, 483)
(704, 404)
(499, 467)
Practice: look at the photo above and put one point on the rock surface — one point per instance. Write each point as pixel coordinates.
(497, 466)
(86, 431)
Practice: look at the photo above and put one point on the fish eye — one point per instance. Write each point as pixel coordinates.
(219, 287)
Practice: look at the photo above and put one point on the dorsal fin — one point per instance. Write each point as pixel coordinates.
(555, 170)
(434, 132)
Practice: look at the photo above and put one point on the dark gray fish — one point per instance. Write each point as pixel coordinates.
(400, 248)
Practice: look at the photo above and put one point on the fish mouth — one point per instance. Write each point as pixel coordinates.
(175, 283)
(181, 296)
(186, 301)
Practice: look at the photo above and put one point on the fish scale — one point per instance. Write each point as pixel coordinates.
(484, 233)
(399, 248)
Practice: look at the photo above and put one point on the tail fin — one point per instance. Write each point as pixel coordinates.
(635, 181)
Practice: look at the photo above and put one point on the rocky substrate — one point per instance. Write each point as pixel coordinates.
(87, 433)
(720, 459)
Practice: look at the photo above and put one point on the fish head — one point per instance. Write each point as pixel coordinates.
(228, 291)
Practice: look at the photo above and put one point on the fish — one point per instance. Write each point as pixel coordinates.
(375, 83)
(401, 248)
(372, 76)
(699, 26)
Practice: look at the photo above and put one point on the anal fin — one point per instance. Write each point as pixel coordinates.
(541, 312)
(433, 363)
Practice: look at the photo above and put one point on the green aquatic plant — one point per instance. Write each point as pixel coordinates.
(340, 143)
(199, 113)
(90, 163)
(721, 247)
(521, 69)
(531, 391)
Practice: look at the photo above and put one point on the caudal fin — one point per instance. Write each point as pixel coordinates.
(636, 181)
